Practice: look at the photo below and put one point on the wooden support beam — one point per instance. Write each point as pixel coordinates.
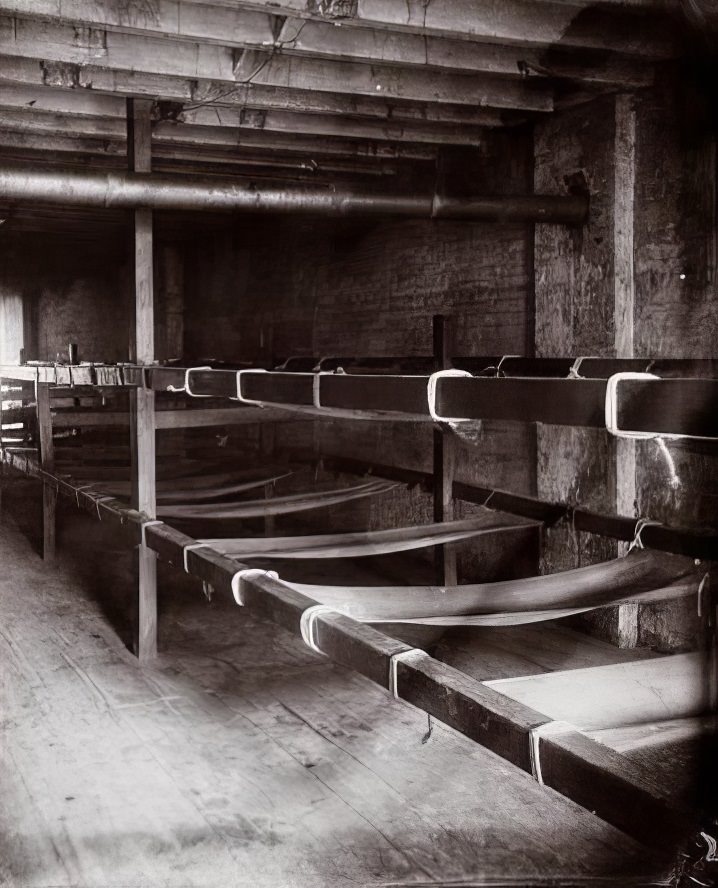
(215, 24)
(142, 401)
(625, 631)
(47, 462)
(58, 43)
(179, 158)
(97, 80)
(602, 780)
(632, 28)
(221, 136)
(444, 458)
(660, 406)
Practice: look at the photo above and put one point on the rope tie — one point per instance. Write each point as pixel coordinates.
(431, 393)
(611, 417)
(79, 489)
(611, 406)
(190, 548)
(394, 661)
(186, 388)
(504, 358)
(308, 622)
(248, 573)
(641, 524)
(240, 397)
(144, 525)
(316, 387)
(547, 729)
(575, 371)
(98, 501)
(703, 590)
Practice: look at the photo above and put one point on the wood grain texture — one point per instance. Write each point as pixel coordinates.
(240, 757)
(46, 454)
(444, 458)
(142, 401)
(442, 691)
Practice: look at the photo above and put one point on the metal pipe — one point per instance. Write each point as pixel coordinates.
(164, 192)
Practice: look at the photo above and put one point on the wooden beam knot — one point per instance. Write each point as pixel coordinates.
(333, 9)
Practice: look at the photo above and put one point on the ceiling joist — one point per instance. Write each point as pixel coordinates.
(29, 120)
(242, 28)
(44, 41)
(83, 104)
(634, 27)
(199, 93)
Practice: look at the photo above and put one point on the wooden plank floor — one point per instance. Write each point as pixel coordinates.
(238, 758)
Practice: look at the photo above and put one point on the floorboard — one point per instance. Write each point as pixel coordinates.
(238, 757)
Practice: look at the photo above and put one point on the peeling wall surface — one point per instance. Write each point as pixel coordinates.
(578, 294)
(574, 274)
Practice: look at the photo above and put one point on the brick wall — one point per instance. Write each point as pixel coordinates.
(290, 286)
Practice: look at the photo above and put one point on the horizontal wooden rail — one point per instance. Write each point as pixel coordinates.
(588, 367)
(201, 417)
(621, 792)
(668, 406)
(678, 540)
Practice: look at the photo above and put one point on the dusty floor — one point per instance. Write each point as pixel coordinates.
(238, 758)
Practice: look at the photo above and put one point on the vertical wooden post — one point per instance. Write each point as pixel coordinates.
(142, 401)
(626, 630)
(266, 452)
(47, 462)
(444, 461)
(2, 448)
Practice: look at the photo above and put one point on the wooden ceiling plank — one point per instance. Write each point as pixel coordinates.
(225, 26)
(101, 153)
(31, 72)
(636, 27)
(42, 41)
(83, 103)
(112, 129)
(333, 126)
(370, 45)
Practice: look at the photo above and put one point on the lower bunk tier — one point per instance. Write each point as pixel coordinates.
(627, 766)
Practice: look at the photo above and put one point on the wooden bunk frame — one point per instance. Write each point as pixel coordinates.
(585, 770)
(571, 762)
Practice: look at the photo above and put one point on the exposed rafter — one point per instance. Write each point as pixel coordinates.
(99, 153)
(212, 24)
(636, 26)
(83, 104)
(126, 52)
(195, 93)
(168, 132)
